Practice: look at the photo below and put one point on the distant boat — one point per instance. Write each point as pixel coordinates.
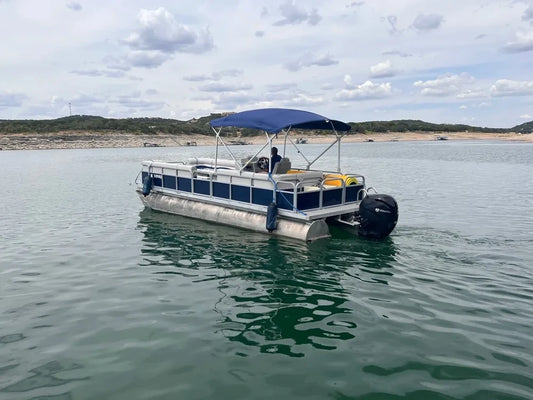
(442, 138)
(301, 141)
(238, 142)
(146, 144)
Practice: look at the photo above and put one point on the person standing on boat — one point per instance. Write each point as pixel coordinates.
(274, 159)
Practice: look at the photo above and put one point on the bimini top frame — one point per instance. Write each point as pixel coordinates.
(275, 120)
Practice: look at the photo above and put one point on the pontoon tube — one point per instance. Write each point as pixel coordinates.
(302, 230)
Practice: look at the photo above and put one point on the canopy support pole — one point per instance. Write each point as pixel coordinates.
(256, 154)
(300, 152)
(338, 147)
(337, 140)
(219, 138)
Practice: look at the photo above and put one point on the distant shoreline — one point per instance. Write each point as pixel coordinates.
(85, 140)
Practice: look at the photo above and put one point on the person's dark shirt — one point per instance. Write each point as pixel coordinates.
(274, 160)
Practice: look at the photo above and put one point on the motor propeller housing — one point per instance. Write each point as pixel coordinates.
(378, 215)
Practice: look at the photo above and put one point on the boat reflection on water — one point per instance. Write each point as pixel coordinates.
(277, 295)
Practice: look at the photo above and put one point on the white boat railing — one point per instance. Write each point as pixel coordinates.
(289, 190)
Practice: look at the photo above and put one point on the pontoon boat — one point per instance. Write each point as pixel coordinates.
(297, 202)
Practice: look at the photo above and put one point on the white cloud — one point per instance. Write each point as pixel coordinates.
(475, 105)
(290, 97)
(528, 14)
(215, 76)
(224, 87)
(507, 87)
(74, 5)
(396, 53)
(147, 59)
(293, 15)
(348, 81)
(308, 60)
(228, 101)
(115, 63)
(137, 102)
(303, 100)
(160, 36)
(427, 22)
(444, 85)
(282, 87)
(382, 70)
(472, 93)
(109, 73)
(523, 42)
(393, 22)
(526, 116)
(98, 104)
(364, 91)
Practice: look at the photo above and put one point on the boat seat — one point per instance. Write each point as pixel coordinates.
(301, 176)
(210, 162)
(282, 167)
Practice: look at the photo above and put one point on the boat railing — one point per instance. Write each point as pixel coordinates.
(298, 191)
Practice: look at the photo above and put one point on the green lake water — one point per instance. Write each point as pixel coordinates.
(101, 299)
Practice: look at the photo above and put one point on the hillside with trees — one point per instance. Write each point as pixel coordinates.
(88, 123)
(526, 127)
(410, 125)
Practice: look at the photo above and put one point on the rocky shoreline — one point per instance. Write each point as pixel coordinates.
(84, 140)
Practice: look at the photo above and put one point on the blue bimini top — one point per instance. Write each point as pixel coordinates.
(273, 120)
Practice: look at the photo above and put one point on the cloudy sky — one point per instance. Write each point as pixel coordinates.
(468, 61)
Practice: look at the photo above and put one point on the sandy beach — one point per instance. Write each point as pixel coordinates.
(82, 140)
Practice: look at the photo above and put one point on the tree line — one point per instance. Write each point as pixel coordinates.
(201, 126)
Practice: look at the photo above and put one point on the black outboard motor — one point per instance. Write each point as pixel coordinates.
(378, 214)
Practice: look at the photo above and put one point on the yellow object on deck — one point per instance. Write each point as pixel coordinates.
(335, 180)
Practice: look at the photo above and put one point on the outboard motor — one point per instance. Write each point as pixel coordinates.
(378, 214)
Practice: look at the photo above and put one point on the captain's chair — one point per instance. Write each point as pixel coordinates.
(282, 167)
